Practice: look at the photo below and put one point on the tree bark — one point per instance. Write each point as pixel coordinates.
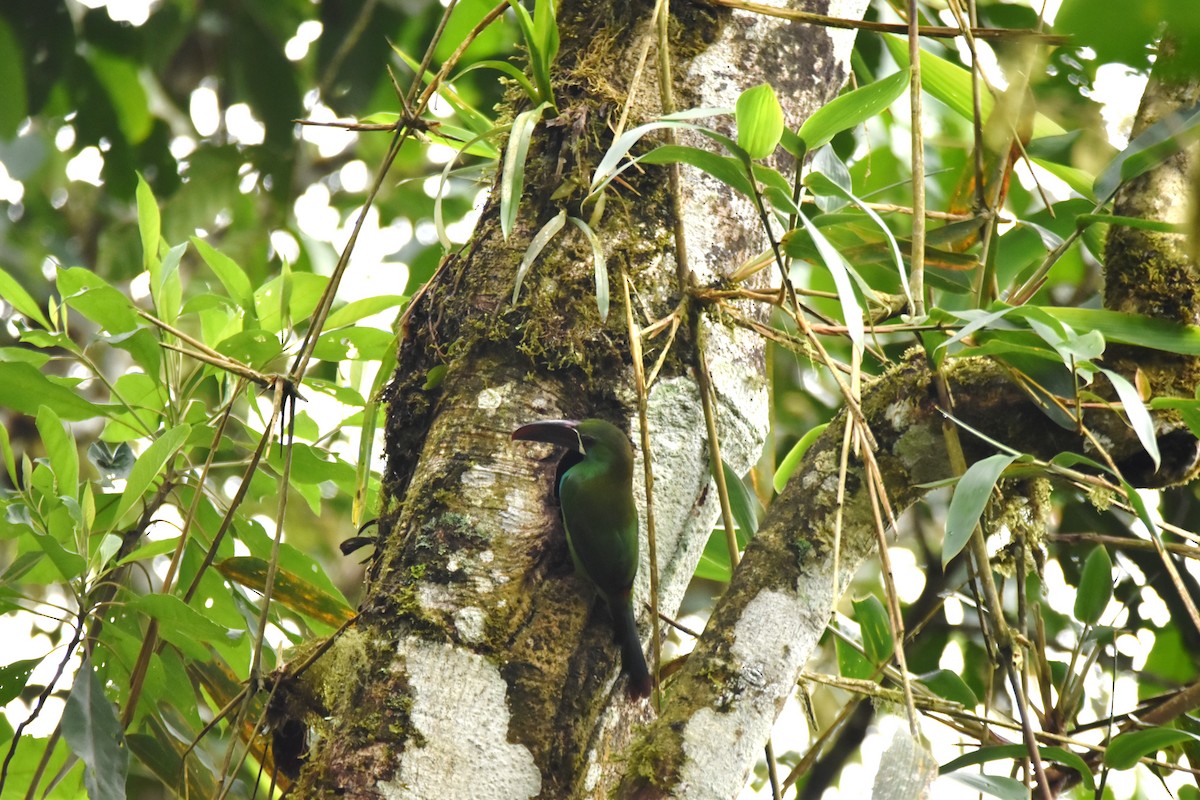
(480, 665)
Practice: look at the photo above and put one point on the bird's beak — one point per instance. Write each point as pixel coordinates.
(562, 432)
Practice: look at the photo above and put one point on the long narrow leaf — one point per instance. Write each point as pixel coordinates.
(838, 268)
(829, 186)
(1139, 417)
(540, 240)
(608, 168)
(970, 498)
(15, 295)
(851, 109)
(512, 178)
(600, 266)
(438, 218)
(951, 84)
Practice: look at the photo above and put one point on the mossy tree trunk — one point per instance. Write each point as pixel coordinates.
(480, 666)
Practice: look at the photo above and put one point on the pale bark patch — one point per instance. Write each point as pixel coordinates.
(460, 710)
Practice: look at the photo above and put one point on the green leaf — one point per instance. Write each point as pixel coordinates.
(150, 465)
(970, 497)
(792, 460)
(90, 295)
(820, 183)
(91, 728)
(539, 242)
(1135, 410)
(512, 176)
(872, 619)
(10, 458)
(1095, 586)
(1135, 329)
(1013, 751)
(1126, 749)
(13, 292)
(120, 79)
(744, 505)
(61, 450)
(13, 678)
(994, 785)
(727, 170)
(852, 663)
(951, 84)
(598, 262)
(231, 276)
(852, 109)
(509, 70)
(851, 311)
(149, 227)
(182, 625)
(290, 589)
(1152, 146)
(610, 164)
(759, 121)
(368, 306)
(951, 686)
(24, 389)
(14, 102)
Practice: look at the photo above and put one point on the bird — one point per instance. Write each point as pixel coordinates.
(594, 485)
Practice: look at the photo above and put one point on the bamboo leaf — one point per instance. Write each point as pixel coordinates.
(951, 84)
(15, 295)
(852, 109)
(872, 619)
(1135, 410)
(290, 589)
(1126, 749)
(1095, 586)
(792, 460)
(970, 498)
(851, 311)
(149, 227)
(149, 466)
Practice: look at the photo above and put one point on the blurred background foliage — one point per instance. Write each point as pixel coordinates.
(232, 230)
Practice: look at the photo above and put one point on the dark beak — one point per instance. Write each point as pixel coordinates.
(562, 432)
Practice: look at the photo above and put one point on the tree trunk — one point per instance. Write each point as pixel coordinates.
(480, 666)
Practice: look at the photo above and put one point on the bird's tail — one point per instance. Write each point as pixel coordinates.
(633, 662)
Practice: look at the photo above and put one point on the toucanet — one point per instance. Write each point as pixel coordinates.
(595, 490)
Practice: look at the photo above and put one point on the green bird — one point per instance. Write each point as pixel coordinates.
(595, 490)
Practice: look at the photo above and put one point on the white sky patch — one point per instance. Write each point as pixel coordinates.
(909, 576)
(182, 146)
(139, 286)
(285, 246)
(1118, 89)
(204, 109)
(432, 186)
(242, 126)
(440, 153)
(135, 12)
(306, 33)
(329, 141)
(314, 216)
(354, 176)
(11, 191)
(64, 138)
(86, 166)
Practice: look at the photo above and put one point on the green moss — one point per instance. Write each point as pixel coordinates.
(657, 762)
